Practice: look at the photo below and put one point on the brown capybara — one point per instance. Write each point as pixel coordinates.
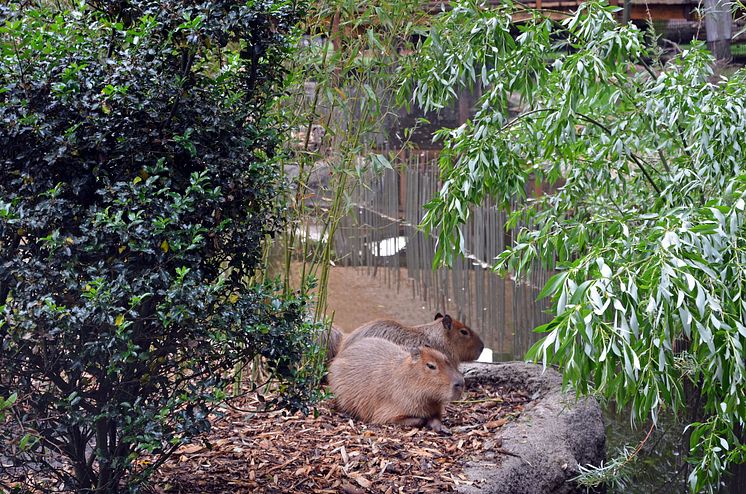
(379, 381)
(331, 340)
(458, 342)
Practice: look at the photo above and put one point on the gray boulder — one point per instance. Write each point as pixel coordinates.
(555, 433)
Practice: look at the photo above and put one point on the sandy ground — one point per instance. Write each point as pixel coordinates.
(355, 298)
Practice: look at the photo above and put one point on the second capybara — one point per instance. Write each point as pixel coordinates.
(451, 337)
(331, 340)
(379, 381)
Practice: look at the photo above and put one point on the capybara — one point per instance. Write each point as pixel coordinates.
(458, 342)
(379, 381)
(330, 339)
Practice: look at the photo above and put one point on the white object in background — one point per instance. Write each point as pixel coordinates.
(313, 231)
(388, 246)
(485, 356)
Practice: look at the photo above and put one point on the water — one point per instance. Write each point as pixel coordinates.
(659, 467)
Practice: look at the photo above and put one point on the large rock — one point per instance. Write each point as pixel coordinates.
(555, 433)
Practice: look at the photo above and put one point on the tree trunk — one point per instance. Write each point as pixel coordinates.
(104, 456)
(718, 24)
(627, 12)
(75, 448)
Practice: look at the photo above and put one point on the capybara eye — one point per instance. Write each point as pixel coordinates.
(464, 332)
(431, 366)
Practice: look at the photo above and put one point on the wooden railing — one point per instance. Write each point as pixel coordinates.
(656, 10)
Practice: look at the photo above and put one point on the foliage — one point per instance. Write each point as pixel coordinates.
(343, 78)
(6, 404)
(614, 474)
(138, 181)
(645, 221)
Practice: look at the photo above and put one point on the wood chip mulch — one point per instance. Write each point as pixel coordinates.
(248, 452)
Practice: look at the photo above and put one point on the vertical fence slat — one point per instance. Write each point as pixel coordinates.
(503, 310)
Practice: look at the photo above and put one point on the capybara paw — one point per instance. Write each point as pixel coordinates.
(438, 426)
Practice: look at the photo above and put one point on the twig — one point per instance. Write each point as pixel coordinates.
(523, 115)
(638, 448)
(160, 461)
(647, 67)
(505, 452)
(644, 170)
(638, 161)
(20, 67)
(683, 142)
(278, 467)
(249, 410)
(676, 46)
(465, 402)
(664, 161)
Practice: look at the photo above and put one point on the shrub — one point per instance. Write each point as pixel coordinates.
(646, 223)
(137, 186)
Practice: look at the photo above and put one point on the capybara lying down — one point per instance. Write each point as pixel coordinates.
(331, 340)
(379, 381)
(447, 335)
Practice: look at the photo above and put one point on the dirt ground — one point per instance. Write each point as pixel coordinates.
(356, 298)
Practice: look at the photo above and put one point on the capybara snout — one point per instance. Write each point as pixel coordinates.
(458, 388)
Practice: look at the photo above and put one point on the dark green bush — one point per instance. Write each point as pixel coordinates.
(137, 186)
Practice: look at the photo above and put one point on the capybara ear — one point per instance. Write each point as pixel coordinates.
(415, 353)
(447, 322)
(438, 316)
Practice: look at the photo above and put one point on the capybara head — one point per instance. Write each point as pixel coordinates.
(467, 343)
(330, 339)
(436, 374)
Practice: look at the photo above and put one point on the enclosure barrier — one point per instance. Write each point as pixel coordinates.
(380, 237)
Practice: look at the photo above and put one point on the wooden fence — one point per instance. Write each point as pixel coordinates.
(379, 235)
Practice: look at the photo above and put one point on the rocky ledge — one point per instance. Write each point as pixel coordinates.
(545, 444)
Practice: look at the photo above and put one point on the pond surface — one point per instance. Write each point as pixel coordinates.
(659, 467)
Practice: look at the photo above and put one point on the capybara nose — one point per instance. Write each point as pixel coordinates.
(458, 389)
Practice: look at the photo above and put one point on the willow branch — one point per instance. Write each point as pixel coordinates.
(638, 161)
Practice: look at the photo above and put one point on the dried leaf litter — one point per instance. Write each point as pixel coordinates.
(247, 452)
